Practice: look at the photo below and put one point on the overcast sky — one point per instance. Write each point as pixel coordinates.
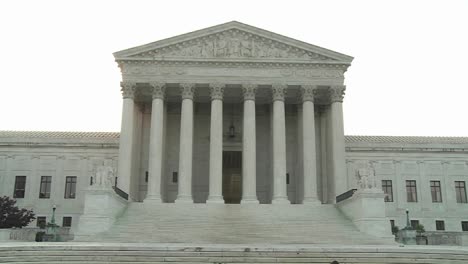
(409, 75)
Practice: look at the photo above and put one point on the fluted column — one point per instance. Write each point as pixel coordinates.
(126, 137)
(156, 143)
(186, 144)
(337, 141)
(216, 144)
(280, 195)
(308, 148)
(249, 145)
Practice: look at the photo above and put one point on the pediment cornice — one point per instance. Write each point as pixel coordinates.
(232, 42)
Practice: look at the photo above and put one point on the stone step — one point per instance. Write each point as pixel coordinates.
(93, 253)
(202, 223)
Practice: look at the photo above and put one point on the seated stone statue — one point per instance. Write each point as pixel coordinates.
(103, 177)
(366, 177)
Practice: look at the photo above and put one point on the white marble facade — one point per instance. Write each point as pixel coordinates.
(235, 88)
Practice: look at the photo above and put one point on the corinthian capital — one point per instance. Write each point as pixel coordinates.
(278, 91)
(216, 91)
(249, 91)
(159, 90)
(308, 92)
(187, 90)
(128, 89)
(337, 93)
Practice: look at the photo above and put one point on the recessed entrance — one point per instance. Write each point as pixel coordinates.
(232, 177)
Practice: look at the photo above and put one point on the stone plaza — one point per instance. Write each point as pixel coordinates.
(234, 135)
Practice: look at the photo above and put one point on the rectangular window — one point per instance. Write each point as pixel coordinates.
(44, 189)
(464, 225)
(67, 221)
(440, 225)
(392, 226)
(436, 192)
(70, 187)
(460, 191)
(20, 187)
(388, 190)
(41, 221)
(414, 223)
(287, 178)
(175, 177)
(411, 193)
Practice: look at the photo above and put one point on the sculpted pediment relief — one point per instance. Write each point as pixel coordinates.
(232, 44)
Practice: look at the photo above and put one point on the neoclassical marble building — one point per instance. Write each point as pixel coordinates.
(232, 92)
(234, 114)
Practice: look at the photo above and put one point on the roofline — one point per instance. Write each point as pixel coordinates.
(123, 54)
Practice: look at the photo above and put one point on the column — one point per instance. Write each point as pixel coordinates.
(126, 137)
(216, 144)
(308, 147)
(156, 143)
(280, 195)
(186, 144)
(249, 145)
(337, 141)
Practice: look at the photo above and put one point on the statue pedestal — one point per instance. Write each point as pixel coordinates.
(102, 206)
(407, 237)
(366, 208)
(5, 234)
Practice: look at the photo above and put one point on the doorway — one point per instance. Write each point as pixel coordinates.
(232, 177)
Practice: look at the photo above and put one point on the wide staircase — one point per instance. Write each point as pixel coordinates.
(150, 253)
(236, 224)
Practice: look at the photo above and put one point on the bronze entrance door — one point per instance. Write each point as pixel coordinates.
(232, 177)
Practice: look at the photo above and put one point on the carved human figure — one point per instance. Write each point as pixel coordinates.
(103, 176)
(234, 47)
(245, 48)
(221, 47)
(366, 177)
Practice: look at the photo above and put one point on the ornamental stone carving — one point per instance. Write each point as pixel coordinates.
(366, 177)
(187, 90)
(216, 91)
(128, 89)
(249, 90)
(337, 93)
(233, 43)
(308, 92)
(278, 91)
(159, 90)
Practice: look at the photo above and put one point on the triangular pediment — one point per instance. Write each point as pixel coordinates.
(233, 41)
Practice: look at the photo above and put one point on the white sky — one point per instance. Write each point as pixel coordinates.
(408, 77)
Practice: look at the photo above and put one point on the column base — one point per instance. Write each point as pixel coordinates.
(215, 200)
(184, 200)
(153, 199)
(250, 200)
(311, 201)
(280, 200)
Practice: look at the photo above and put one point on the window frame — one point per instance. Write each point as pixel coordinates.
(70, 187)
(464, 225)
(439, 224)
(38, 223)
(16, 187)
(409, 191)
(47, 185)
(436, 191)
(460, 192)
(385, 188)
(68, 218)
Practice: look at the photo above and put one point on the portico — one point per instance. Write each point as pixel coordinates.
(232, 87)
